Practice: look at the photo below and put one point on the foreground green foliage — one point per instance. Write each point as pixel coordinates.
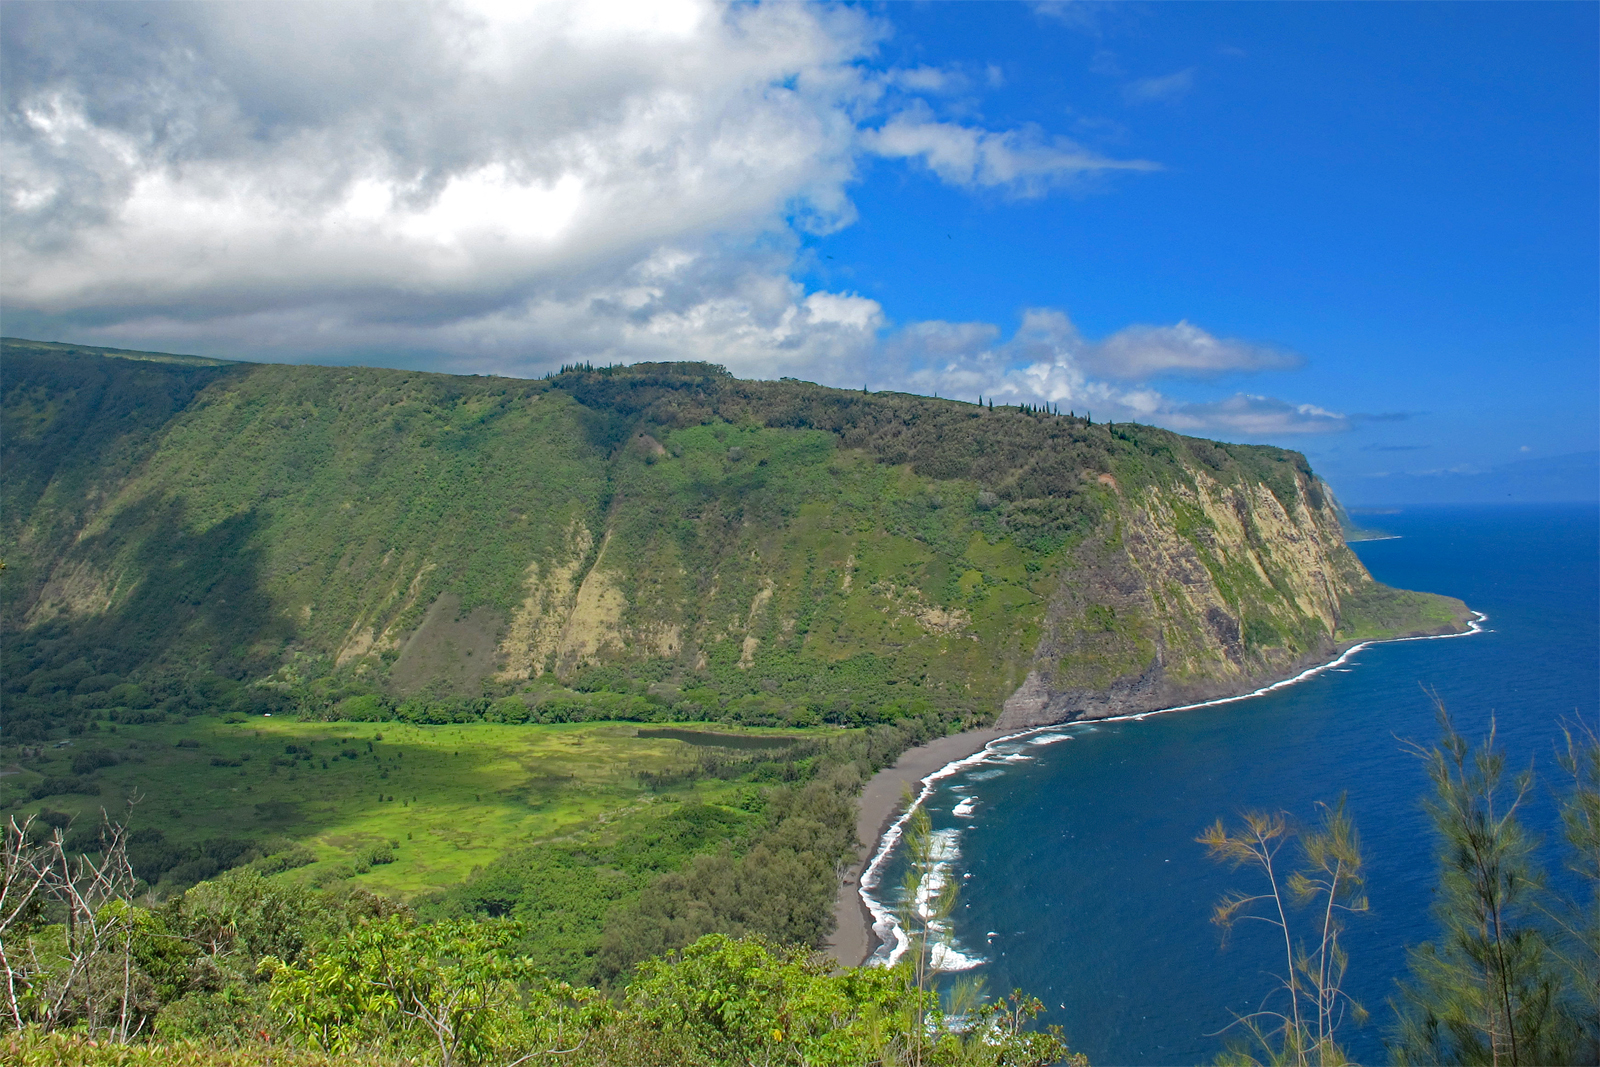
(1501, 984)
(35, 1049)
(721, 1001)
(361, 984)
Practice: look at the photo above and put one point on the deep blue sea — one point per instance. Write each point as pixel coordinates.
(1081, 879)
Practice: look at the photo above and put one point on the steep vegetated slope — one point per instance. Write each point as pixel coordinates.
(661, 541)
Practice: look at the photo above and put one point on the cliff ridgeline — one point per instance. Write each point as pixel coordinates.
(654, 541)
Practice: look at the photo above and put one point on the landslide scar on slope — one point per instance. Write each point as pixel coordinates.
(758, 603)
(596, 620)
(449, 652)
(537, 625)
(909, 602)
(364, 638)
(75, 588)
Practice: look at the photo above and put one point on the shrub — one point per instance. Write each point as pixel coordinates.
(370, 707)
(129, 695)
(378, 855)
(91, 760)
(296, 855)
(53, 786)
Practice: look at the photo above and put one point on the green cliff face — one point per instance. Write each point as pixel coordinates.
(762, 552)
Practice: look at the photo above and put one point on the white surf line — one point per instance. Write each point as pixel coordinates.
(883, 920)
(1473, 627)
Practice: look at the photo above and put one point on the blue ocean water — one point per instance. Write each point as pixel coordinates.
(1081, 879)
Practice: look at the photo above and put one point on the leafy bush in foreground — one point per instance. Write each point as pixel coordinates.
(396, 991)
(247, 961)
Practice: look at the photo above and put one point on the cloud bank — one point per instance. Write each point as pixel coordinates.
(1048, 359)
(504, 187)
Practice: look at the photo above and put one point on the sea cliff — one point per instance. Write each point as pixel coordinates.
(1202, 589)
(660, 541)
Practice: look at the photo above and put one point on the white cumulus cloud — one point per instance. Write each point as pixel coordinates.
(1025, 162)
(1140, 352)
(1048, 360)
(496, 186)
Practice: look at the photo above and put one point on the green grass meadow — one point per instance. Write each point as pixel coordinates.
(449, 798)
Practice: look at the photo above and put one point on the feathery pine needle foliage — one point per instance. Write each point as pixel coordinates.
(927, 897)
(923, 911)
(1491, 989)
(1514, 977)
(1578, 947)
(967, 1029)
(1301, 1028)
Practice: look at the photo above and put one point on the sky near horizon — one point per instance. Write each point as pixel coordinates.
(1365, 231)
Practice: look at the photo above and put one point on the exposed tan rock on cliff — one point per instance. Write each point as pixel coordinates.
(1194, 591)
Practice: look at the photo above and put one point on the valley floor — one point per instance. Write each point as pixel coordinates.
(436, 801)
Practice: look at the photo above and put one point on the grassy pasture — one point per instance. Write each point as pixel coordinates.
(1378, 613)
(461, 794)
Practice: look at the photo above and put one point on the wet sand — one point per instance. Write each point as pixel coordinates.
(852, 939)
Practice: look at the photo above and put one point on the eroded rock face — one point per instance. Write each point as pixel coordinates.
(536, 629)
(1191, 592)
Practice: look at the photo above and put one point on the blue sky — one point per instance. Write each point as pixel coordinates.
(1403, 193)
(1366, 231)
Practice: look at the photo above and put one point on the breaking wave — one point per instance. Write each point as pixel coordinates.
(981, 766)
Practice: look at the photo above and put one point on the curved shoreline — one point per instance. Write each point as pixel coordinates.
(859, 916)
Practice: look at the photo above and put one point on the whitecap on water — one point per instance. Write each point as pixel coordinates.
(964, 809)
(947, 957)
(945, 954)
(984, 776)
